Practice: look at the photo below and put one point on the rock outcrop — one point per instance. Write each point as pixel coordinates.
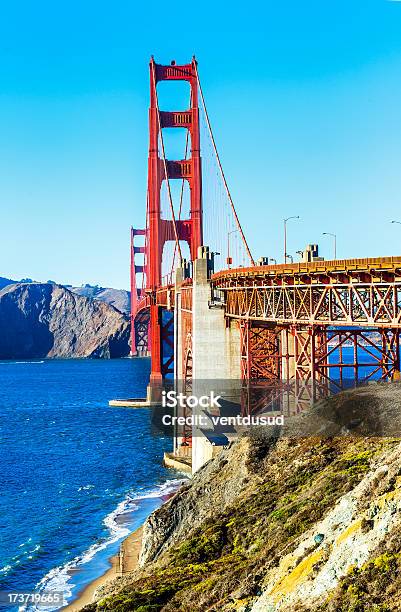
(278, 524)
(119, 298)
(4, 282)
(46, 320)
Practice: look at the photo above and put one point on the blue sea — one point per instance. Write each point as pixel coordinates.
(76, 475)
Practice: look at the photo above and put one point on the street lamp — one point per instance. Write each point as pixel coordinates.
(229, 258)
(285, 235)
(273, 260)
(290, 257)
(399, 222)
(335, 242)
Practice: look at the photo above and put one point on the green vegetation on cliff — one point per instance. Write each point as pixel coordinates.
(222, 563)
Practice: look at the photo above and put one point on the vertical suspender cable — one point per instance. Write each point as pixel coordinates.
(185, 157)
(221, 170)
(182, 188)
(145, 276)
(165, 167)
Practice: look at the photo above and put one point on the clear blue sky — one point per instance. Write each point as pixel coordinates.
(305, 99)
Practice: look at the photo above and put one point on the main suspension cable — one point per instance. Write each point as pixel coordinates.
(221, 169)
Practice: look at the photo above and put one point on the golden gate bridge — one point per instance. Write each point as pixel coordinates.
(212, 311)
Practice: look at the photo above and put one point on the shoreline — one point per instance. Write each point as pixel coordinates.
(122, 562)
(125, 561)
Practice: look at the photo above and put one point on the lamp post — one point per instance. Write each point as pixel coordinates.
(229, 258)
(273, 260)
(285, 235)
(335, 242)
(399, 222)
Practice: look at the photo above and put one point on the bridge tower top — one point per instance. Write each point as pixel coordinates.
(161, 169)
(160, 230)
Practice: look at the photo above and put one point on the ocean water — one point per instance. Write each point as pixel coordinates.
(76, 476)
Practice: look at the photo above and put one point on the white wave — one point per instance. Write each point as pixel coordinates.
(25, 543)
(86, 487)
(59, 579)
(162, 490)
(21, 556)
(18, 362)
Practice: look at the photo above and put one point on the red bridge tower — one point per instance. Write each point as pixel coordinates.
(159, 230)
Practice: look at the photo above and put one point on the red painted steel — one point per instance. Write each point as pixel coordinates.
(159, 230)
(356, 292)
(136, 293)
(296, 320)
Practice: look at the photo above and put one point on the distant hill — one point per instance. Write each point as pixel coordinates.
(5, 281)
(47, 320)
(119, 298)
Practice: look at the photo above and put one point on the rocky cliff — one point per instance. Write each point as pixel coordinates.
(119, 298)
(279, 524)
(46, 320)
(5, 281)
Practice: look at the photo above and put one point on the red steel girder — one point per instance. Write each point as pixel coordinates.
(373, 305)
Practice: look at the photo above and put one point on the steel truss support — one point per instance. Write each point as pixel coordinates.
(309, 347)
(141, 333)
(186, 440)
(183, 383)
(136, 292)
(375, 355)
(260, 361)
(301, 364)
(260, 351)
(321, 363)
(358, 305)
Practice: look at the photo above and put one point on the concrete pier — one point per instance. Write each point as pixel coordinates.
(131, 403)
(180, 463)
(207, 354)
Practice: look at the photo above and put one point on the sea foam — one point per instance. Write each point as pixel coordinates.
(61, 579)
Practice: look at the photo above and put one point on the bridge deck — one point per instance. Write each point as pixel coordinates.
(379, 268)
(351, 292)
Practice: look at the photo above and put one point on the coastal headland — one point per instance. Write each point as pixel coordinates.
(45, 320)
(285, 524)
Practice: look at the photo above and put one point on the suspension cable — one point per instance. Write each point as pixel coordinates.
(182, 186)
(183, 180)
(146, 244)
(221, 168)
(165, 166)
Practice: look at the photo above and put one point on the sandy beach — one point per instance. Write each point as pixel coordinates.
(125, 561)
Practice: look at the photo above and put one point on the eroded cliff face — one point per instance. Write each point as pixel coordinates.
(289, 524)
(119, 298)
(46, 320)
